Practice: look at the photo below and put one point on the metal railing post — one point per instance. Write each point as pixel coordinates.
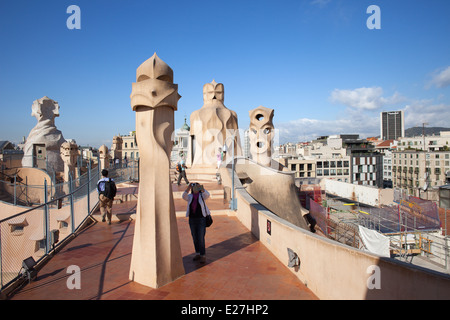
(447, 254)
(88, 187)
(132, 170)
(26, 189)
(233, 195)
(15, 192)
(46, 220)
(1, 262)
(72, 213)
(445, 222)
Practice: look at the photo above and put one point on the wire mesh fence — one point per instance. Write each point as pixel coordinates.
(54, 213)
(18, 189)
(36, 231)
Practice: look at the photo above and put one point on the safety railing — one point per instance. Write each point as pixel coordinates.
(34, 233)
(38, 231)
(15, 188)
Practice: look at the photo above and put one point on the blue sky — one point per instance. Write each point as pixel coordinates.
(314, 61)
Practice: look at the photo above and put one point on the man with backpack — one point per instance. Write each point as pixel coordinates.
(106, 188)
(181, 169)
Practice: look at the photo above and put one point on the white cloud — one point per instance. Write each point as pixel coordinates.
(360, 117)
(426, 111)
(364, 98)
(441, 78)
(308, 129)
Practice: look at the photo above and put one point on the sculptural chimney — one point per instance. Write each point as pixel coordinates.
(104, 157)
(261, 135)
(42, 147)
(213, 126)
(117, 148)
(69, 154)
(156, 256)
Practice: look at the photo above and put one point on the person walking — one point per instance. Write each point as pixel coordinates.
(219, 158)
(107, 189)
(181, 168)
(197, 211)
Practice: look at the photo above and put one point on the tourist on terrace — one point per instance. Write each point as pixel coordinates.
(197, 212)
(107, 189)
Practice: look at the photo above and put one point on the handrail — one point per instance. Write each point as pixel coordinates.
(49, 247)
(44, 204)
(10, 261)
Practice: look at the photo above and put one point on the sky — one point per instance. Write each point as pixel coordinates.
(315, 62)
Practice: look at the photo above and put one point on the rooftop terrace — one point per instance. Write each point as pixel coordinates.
(238, 266)
(244, 261)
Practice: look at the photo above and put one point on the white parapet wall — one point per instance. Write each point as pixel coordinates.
(365, 194)
(333, 270)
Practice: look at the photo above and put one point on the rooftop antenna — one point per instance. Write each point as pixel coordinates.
(423, 133)
(425, 186)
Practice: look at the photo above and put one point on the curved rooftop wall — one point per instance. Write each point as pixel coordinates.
(263, 183)
(333, 270)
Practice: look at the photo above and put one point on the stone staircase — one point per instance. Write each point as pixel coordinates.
(217, 202)
(197, 174)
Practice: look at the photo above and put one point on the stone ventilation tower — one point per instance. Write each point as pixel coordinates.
(212, 126)
(42, 147)
(69, 154)
(104, 157)
(117, 147)
(156, 256)
(261, 135)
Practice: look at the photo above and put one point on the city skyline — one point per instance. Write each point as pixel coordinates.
(315, 62)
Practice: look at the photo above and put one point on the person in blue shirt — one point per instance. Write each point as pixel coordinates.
(106, 192)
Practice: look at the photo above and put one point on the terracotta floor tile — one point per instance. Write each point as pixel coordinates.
(238, 267)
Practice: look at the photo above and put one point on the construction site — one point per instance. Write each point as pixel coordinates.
(415, 230)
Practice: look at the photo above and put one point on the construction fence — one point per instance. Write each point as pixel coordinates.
(413, 226)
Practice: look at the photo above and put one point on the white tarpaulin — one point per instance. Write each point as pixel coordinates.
(374, 241)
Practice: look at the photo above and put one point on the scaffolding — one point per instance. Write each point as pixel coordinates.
(412, 225)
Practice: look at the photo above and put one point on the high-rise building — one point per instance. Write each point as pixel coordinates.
(392, 124)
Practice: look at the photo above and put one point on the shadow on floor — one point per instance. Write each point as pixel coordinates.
(102, 274)
(219, 251)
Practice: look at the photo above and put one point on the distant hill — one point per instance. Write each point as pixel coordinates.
(417, 131)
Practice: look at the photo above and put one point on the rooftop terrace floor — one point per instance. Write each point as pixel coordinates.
(238, 266)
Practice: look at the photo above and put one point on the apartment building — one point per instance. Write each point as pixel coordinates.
(130, 150)
(386, 147)
(334, 168)
(180, 149)
(432, 143)
(322, 158)
(302, 168)
(367, 169)
(345, 158)
(420, 172)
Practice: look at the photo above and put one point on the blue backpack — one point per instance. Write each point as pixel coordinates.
(110, 189)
